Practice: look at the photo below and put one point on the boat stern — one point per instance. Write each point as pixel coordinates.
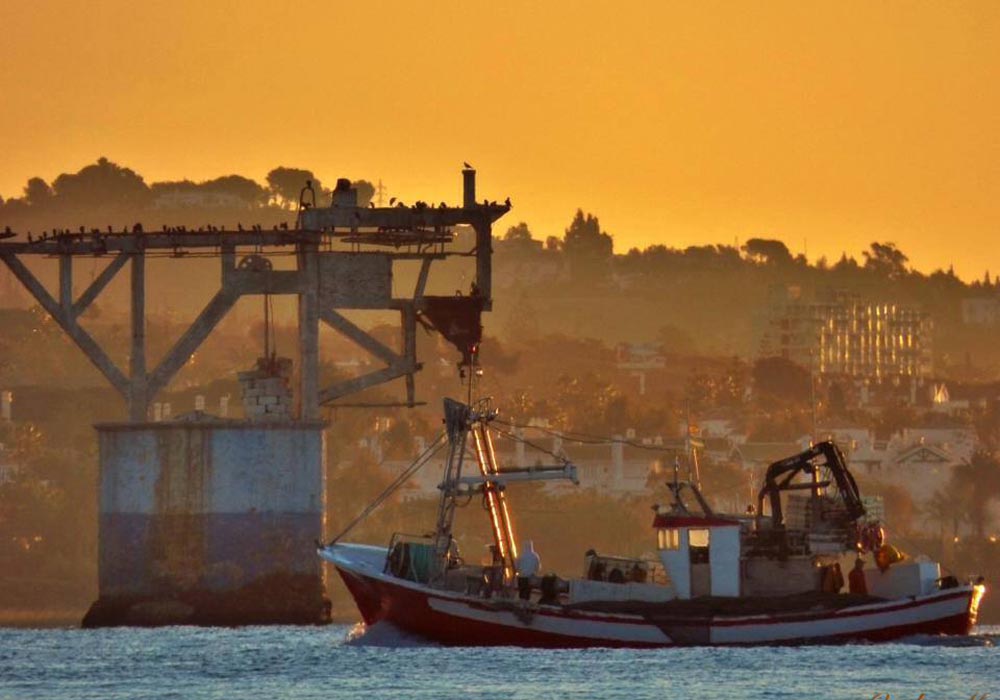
(975, 600)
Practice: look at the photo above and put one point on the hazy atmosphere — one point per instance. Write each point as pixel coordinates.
(339, 341)
(826, 125)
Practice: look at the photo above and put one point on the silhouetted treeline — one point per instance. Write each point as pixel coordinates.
(710, 298)
(705, 299)
(107, 194)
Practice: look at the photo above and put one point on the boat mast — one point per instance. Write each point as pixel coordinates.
(456, 417)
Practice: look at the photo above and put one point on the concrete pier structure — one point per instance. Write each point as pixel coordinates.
(210, 521)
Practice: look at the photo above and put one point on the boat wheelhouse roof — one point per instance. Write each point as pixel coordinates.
(688, 520)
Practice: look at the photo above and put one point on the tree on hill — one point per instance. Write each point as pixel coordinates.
(977, 482)
(769, 251)
(886, 260)
(588, 249)
(286, 185)
(237, 186)
(102, 183)
(520, 232)
(366, 191)
(518, 240)
(37, 192)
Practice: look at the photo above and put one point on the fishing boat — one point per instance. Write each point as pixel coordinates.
(771, 575)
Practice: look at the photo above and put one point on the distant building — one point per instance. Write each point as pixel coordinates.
(981, 311)
(9, 469)
(842, 335)
(194, 199)
(639, 356)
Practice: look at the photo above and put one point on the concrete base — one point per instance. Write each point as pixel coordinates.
(210, 522)
(279, 599)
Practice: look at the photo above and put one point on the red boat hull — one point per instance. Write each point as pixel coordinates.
(457, 620)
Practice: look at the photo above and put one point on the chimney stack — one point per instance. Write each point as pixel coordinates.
(469, 188)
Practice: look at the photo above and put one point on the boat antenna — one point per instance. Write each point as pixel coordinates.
(470, 369)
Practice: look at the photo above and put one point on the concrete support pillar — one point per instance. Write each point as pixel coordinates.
(309, 333)
(137, 359)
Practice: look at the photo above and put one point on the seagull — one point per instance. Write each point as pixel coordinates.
(467, 166)
(392, 200)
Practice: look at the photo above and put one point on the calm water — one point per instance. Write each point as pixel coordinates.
(333, 662)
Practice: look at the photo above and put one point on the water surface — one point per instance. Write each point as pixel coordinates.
(338, 662)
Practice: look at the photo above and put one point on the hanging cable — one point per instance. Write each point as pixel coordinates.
(414, 467)
(561, 458)
(588, 439)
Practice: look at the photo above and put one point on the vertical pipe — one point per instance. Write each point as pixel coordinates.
(137, 359)
(308, 332)
(484, 261)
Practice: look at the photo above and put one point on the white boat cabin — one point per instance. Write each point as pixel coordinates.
(700, 554)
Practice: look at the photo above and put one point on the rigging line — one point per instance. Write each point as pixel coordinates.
(414, 467)
(594, 440)
(512, 436)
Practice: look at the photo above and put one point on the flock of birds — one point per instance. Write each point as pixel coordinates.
(63, 234)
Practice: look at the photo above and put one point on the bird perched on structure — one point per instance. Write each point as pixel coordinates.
(467, 166)
(392, 200)
(507, 201)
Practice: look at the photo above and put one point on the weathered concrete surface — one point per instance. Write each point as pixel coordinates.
(210, 522)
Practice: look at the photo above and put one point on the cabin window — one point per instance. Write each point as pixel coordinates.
(698, 542)
(668, 538)
(698, 538)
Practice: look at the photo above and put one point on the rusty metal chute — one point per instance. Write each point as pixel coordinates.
(458, 319)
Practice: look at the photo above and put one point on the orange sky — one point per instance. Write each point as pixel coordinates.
(679, 123)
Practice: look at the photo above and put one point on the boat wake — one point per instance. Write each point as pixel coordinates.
(982, 638)
(384, 634)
